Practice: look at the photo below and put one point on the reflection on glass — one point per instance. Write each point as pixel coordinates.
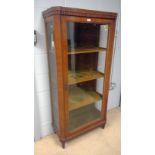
(52, 57)
(87, 45)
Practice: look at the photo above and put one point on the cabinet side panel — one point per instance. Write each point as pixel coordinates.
(53, 75)
(60, 75)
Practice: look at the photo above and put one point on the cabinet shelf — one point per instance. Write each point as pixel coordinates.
(82, 116)
(79, 97)
(86, 50)
(82, 76)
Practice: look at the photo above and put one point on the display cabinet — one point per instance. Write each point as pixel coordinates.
(80, 46)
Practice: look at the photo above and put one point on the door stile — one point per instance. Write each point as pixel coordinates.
(108, 69)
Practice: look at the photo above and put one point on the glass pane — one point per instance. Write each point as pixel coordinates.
(87, 45)
(53, 71)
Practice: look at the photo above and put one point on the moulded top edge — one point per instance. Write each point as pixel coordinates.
(58, 10)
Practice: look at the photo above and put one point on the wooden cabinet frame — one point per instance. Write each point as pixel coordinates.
(60, 16)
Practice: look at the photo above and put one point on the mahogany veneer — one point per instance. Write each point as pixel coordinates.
(74, 46)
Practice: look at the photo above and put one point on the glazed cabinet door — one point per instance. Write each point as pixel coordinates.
(85, 48)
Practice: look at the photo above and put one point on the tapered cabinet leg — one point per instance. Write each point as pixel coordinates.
(55, 131)
(63, 144)
(103, 126)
